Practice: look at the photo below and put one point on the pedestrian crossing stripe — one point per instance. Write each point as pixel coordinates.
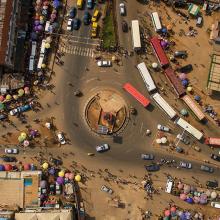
(76, 50)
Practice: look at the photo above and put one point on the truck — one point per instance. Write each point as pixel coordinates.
(94, 29)
(212, 141)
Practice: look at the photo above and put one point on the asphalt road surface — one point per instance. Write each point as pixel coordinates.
(127, 146)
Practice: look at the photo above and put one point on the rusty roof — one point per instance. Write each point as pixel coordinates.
(6, 7)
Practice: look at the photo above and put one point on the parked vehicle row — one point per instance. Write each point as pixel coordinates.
(21, 109)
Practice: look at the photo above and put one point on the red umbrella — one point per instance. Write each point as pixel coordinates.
(167, 212)
(8, 167)
(27, 166)
(2, 98)
(173, 209)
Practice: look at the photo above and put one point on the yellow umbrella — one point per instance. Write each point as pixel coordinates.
(47, 45)
(45, 165)
(23, 135)
(41, 17)
(78, 178)
(15, 97)
(43, 66)
(61, 173)
(20, 92)
(189, 89)
(8, 97)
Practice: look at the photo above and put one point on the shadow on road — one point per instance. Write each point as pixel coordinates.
(117, 139)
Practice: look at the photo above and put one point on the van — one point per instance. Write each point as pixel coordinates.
(42, 48)
(40, 61)
(169, 186)
(79, 4)
(95, 15)
(199, 21)
(33, 48)
(31, 64)
(215, 205)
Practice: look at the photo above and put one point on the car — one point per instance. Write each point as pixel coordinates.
(14, 111)
(215, 205)
(122, 9)
(196, 148)
(2, 117)
(212, 184)
(76, 24)
(124, 26)
(61, 138)
(72, 13)
(162, 128)
(199, 21)
(179, 149)
(185, 165)
(86, 18)
(207, 168)
(102, 148)
(185, 69)
(147, 156)
(106, 189)
(152, 167)
(11, 151)
(24, 108)
(180, 54)
(55, 161)
(89, 4)
(8, 159)
(184, 139)
(104, 63)
(69, 24)
(215, 157)
(95, 16)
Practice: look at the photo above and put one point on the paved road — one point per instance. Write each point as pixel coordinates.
(127, 147)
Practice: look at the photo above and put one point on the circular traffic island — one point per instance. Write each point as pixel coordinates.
(106, 112)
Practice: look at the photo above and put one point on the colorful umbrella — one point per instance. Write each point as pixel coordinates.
(2, 98)
(197, 98)
(184, 112)
(27, 166)
(8, 167)
(67, 175)
(78, 178)
(8, 97)
(189, 89)
(61, 173)
(169, 27)
(24, 135)
(182, 76)
(49, 39)
(43, 66)
(21, 139)
(183, 196)
(167, 212)
(154, 65)
(185, 82)
(26, 143)
(173, 209)
(180, 186)
(189, 200)
(15, 97)
(47, 45)
(20, 92)
(186, 188)
(43, 183)
(2, 106)
(71, 176)
(2, 167)
(52, 171)
(214, 195)
(45, 165)
(60, 180)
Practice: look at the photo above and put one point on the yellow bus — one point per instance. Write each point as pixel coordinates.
(79, 4)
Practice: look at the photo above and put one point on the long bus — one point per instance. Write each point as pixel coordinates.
(136, 94)
(195, 109)
(175, 82)
(159, 52)
(148, 81)
(212, 141)
(164, 105)
(135, 34)
(189, 128)
(156, 21)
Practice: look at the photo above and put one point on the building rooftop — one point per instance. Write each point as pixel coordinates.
(6, 7)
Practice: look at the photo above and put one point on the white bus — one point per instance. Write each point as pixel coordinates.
(156, 21)
(164, 105)
(148, 81)
(135, 34)
(189, 128)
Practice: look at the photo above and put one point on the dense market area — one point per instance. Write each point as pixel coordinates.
(110, 111)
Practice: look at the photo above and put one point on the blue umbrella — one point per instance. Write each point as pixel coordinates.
(189, 200)
(2, 168)
(52, 171)
(33, 36)
(197, 98)
(56, 4)
(164, 30)
(185, 82)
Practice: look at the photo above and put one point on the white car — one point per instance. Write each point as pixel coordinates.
(102, 148)
(122, 9)
(11, 151)
(215, 205)
(104, 63)
(61, 138)
(13, 111)
(163, 128)
(69, 24)
(106, 189)
(185, 165)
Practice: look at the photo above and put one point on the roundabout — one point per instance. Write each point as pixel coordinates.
(106, 112)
